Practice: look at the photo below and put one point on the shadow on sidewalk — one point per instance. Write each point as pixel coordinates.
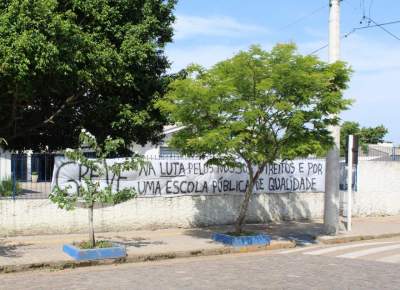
(304, 232)
(137, 242)
(11, 251)
(272, 214)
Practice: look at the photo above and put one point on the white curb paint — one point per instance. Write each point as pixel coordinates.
(339, 248)
(367, 252)
(298, 250)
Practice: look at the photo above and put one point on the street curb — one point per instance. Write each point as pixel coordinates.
(61, 265)
(347, 239)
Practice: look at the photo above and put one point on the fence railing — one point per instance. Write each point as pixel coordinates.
(379, 153)
(26, 175)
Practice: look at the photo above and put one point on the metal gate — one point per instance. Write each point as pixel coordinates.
(29, 176)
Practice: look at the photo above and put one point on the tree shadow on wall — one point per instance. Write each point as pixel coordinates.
(282, 215)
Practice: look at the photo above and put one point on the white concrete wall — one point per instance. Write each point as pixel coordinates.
(378, 189)
(43, 217)
(378, 194)
(5, 164)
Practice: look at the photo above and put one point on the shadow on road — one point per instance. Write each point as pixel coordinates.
(11, 250)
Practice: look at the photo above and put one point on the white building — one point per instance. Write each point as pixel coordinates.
(25, 164)
(161, 149)
(5, 164)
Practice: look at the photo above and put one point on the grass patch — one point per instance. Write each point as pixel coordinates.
(99, 244)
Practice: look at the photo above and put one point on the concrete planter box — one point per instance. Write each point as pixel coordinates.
(115, 252)
(242, 241)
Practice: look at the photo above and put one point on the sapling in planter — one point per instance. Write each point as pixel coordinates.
(94, 188)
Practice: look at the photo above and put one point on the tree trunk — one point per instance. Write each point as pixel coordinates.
(249, 192)
(243, 208)
(91, 228)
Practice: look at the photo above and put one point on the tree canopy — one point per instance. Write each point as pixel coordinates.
(366, 135)
(72, 64)
(257, 107)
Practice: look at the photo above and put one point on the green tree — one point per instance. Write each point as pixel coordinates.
(71, 64)
(347, 128)
(90, 191)
(373, 135)
(366, 135)
(255, 108)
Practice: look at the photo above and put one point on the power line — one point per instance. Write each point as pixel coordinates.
(326, 45)
(363, 7)
(383, 28)
(370, 7)
(352, 6)
(370, 20)
(318, 49)
(376, 25)
(360, 28)
(304, 17)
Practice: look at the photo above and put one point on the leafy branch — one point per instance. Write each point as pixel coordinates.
(92, 190)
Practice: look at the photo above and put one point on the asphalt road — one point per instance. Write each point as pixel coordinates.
(347, 266)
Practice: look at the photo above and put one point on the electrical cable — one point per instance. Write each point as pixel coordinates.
(363, 7)
(383, 28)
(376, 25)
(370, 6)
(363, 27)
(303, 17)
(351, 5)
(326, 45)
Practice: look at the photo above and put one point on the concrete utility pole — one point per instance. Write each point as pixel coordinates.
(331, 210)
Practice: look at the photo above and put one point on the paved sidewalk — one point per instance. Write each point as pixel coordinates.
(362, 228)
(27, 252)
(367, 228)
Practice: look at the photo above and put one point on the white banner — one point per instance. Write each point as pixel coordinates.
(193, 177)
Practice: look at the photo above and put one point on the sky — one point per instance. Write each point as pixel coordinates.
(208, 31)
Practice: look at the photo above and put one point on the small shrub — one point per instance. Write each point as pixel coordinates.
(88, 244)
(6, 187)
